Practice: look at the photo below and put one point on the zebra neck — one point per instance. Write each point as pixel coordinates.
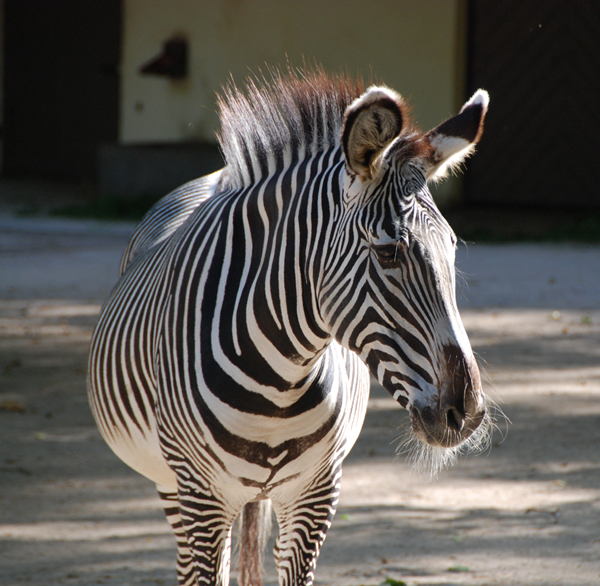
(283, 341)
(252, 338)
(260, 255)
(285, 238)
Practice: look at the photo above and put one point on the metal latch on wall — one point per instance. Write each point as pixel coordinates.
(172, 61)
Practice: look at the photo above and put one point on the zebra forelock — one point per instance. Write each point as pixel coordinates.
(277, 121)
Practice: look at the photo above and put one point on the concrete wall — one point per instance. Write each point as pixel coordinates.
(414, 46)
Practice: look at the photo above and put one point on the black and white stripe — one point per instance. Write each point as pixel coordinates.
(231, 362)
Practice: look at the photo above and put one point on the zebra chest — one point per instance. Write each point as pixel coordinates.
(267, 416)
(264, 438)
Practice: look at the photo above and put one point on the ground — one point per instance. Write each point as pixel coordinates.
(525, 512)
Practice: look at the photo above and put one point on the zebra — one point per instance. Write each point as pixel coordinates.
(231, 363)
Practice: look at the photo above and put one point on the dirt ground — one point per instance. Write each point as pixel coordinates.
(526, 512)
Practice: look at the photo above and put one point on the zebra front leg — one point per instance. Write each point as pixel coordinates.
(303, 524)
(185, 562)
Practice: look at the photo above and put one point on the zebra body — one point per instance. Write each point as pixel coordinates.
(231, 363)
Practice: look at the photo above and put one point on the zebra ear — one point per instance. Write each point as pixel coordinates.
(371, 123)
(454, 140)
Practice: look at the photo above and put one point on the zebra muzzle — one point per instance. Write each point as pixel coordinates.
(444, 427)
(449, 416)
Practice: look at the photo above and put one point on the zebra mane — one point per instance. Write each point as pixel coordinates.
(280, 120)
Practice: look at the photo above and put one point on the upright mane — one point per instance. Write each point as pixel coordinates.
(280, 120)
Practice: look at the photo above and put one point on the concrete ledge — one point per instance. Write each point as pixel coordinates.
(130, 171)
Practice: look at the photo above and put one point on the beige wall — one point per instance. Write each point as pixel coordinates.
(414, 46)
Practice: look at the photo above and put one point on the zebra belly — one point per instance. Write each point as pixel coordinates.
(121, 384)
(142, 452)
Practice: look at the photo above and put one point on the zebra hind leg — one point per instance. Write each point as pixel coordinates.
(185, 561)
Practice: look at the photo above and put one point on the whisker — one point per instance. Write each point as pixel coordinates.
(431, 460)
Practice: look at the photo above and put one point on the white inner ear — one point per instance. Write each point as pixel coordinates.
(448, 146)
(375, 119)
(451, 151)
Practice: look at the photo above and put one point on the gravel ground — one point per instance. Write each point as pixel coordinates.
(527, 512)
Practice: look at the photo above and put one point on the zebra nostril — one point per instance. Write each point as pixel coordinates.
(454, 419)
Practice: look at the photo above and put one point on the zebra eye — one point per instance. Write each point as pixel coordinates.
(389, 254)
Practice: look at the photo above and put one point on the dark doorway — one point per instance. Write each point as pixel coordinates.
(60, 86)
(540, 61)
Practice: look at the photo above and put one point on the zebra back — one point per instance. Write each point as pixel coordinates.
(163, 219)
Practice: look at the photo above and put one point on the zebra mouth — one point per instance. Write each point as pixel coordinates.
(444, 429)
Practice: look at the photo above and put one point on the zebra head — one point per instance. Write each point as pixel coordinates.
(389, 283)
